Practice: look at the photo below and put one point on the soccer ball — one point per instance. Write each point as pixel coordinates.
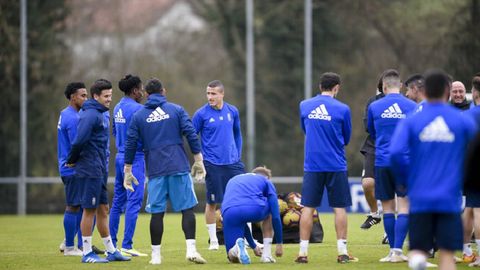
(283, 206)
(219, 220)
(291, 219)
(294, 200)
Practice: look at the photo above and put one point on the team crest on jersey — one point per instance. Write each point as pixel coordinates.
(211, 120)
(229, 117)
(437, 131)
(157, 115)
(119, 117)
(221, 118)
(393, 111)
(320, 113)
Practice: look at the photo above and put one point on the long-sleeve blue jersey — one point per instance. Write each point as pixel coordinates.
(474, 112)
(220, 133)
(251, 189)
(428, 149)
(327, 125)
(66, 133)
(160, 127)
(123, 113)
(89, 149)
(383, 116)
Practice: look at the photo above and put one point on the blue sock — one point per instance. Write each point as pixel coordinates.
(69, 223)
(389, 225)
(77, 229)
(401, 229)
(94, 222)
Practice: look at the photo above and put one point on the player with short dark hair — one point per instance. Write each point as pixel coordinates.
(125, 200)
(160, 127)
(383, 116)
(251, 197)
(89, 157)
(218, 124)
(422, 149)
(326, 123)
(76, 93)
(415, 88)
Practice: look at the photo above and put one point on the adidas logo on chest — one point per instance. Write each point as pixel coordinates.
(119, 117)
(157, 115)
(320, 113)
(393, 111)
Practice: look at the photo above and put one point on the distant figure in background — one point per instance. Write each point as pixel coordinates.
(368, 173)
(123, 199)
(76, 93)
(422, 149)
(251, 197)
(160, 127)
(327, 125)
(458, 96)
(415, 88)
(218, 124)
(383, 117)
(88, 156)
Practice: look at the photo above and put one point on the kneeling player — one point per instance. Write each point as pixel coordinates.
(251, 197)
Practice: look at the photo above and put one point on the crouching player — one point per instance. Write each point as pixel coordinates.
(251, 197)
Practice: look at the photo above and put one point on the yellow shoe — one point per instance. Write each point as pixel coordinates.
(469, 259)
(133, 252)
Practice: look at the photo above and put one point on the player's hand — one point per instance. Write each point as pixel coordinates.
(198, 169)
(279, 250)
(258, 251)
(129, 178)
(70, 165)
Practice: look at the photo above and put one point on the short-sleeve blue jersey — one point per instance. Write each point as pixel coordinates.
(327, 125)
(66, 132)
(220, 133)
(383, 116)
(123, 113)
(428, 149)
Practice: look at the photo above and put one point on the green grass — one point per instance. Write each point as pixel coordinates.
(31, 242)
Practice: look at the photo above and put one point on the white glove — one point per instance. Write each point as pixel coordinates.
(129, 178)
(198, 169)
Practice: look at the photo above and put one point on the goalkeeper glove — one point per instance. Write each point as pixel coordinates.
(129, 178)
(198, 169)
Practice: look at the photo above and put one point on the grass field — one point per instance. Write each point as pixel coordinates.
(31, 242)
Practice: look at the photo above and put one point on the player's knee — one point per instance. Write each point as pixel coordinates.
(368, 184)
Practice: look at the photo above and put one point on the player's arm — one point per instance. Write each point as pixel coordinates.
(347, 126)
(301, 120)
(248, 235)
(130, 148)
(370, 124)
(84, 131)
(275, 211)
(237, 133)
(197, 122)
(189, 131)
(399, 155)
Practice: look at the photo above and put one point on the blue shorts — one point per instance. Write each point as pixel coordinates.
(177, 188)
(94, 192)
(385, 187)
(235, 221)
(338, 189)
(472, 199)
(218, 177)
(73, 190)
(445, 228)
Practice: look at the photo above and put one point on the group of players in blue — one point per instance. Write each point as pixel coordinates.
(414, 149)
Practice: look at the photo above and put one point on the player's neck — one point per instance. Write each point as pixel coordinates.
(74, 106)
(219, 106)
(328, 93)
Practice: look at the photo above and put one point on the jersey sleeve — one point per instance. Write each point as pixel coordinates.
(302, 124)
(72, 129)
(398, 149)
(347, 126)
(237, 133)
(370, 123)
(275, 212)
(197, 122)
(133, 136)
(84, 131)
(189, 131)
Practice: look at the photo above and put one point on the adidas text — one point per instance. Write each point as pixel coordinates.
(157, 118)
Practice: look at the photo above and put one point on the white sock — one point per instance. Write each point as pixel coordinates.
(191, 247)
(156, 253)
(375, 214)
(267, 247)
(212, 232)
(87, 244)
(107, 241)
(467, 249)
(417, 262)
(342, 247)
(303, 247)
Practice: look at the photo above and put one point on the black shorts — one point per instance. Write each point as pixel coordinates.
(368, 165)
(472, 198)
(445, 228)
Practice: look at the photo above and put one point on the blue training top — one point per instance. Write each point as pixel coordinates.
(160, 127)
(220, 133)
(89, 149)
(428, 149)
(123, 113)
(383, 116)
(66, 133)
(327, 125)
(251, 189)
(474, 112)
